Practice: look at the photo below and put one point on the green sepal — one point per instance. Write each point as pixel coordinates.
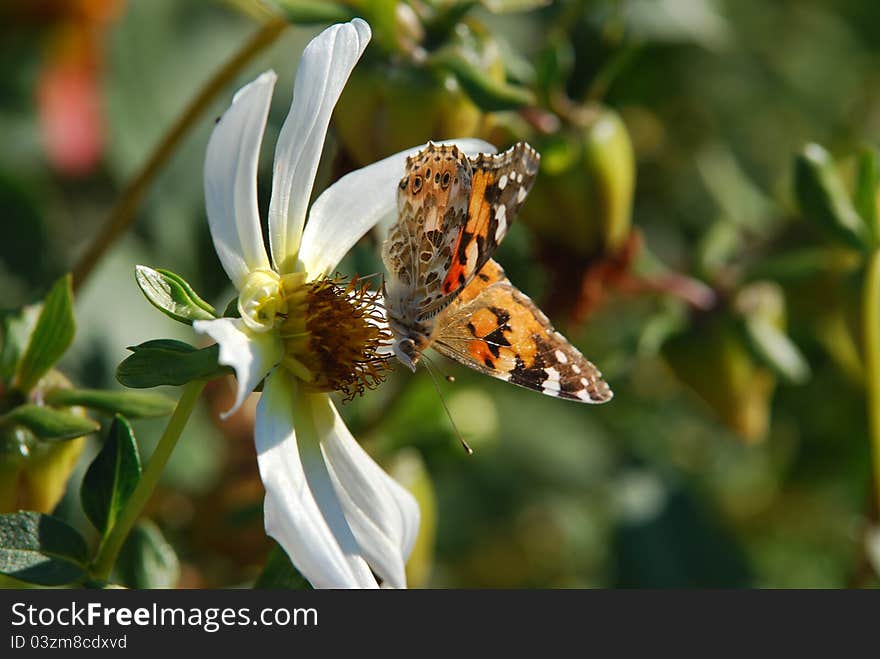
(49, 424)
(132, 404)
(489, 94)
(168, 362)
(41, 549)
(280, 574)
(51, 337)
(823, 198)
(304, 12)
(146, 560)
(172, 295)
(112, 477)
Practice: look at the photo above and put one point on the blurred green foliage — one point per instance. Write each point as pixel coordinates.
(717, 99)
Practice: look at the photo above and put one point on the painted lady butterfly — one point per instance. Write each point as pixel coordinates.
(445, 291)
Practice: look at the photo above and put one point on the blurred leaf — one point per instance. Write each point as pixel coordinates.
(51, 337)
(168, 362)
(313, 11)
(741, 201)
(555, 63)
(776, 350)
(172, 295)
(803, 263)
(279, 574)
(112, 477)
(13, 336)
(50, 424)
(504, 6)
(673, 21)
(147, 560)
(824, 199)
(488, 93)
(867, 179)
(41, 549)
(132, 404)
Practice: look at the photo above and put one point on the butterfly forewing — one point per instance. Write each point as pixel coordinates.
(499, 186)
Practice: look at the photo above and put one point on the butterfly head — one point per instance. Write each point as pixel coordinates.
(406, 353)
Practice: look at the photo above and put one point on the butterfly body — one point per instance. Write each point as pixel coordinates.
(445, 291)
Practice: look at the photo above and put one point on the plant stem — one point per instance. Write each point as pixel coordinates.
(871, 331)
(112, 543)
(123, 213)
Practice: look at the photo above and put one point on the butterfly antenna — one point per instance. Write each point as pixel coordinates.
(428, 366)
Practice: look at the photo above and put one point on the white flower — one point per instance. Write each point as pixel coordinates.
(339, 517)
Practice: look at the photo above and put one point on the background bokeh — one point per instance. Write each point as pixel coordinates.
(707, 469)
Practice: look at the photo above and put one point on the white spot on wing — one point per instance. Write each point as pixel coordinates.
(552, 381)
(561, 358)
(501, 216)
(520, 195)
(575, 368)
(502, 182)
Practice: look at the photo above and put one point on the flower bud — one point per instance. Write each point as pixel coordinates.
(34, 472)
(713, 361)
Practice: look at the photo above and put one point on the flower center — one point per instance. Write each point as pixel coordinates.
(260, 301)
(331, 330)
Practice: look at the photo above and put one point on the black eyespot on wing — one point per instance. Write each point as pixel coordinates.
(417, 184)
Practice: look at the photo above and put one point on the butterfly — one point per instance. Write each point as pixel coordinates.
(444, 290)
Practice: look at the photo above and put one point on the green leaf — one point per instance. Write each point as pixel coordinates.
(172, 295)
(773, 347)
(147, 560)
(313, 11)
(15, 329)
(279, 574)
(49, 424)
(112, 477)
(168, 362)
(132, 404)
(867, 179)
(51, 337)
(488, 93)
(41, 549)
(824, 199)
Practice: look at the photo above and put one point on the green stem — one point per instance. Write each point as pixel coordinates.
(123, 213)
(112, 543)
(871, 330)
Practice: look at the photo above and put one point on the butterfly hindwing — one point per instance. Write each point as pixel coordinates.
(496, 329)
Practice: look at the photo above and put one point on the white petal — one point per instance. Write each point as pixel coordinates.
(231, 180)
(350, 207)
(301, 509)
(383, 515)
(323, 71)
(251, 354)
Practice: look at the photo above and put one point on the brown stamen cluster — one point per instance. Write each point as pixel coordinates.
(336, 333)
